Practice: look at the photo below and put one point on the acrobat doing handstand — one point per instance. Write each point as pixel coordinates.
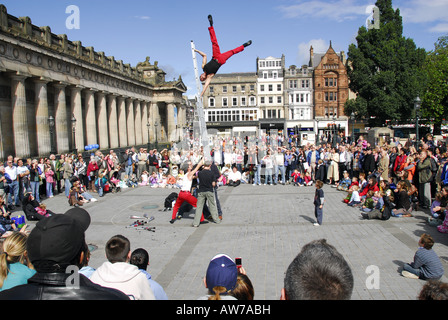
(218, 59)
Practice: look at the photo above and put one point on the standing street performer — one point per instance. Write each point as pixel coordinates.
(218, 59)
(185, 192)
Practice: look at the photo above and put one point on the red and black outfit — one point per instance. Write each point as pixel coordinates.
(219, 58)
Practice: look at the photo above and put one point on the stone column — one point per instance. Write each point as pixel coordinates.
(130, 121)
(90, 117)
(172, 121)
(19, 117)
(122, 125)
(42, 125)
(155, 118)
(112, 119)
(60, 119)
(76, 104)
(103, 131)
(138, 123)
(145, 137)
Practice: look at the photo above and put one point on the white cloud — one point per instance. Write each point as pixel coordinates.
(143, 17)
(440, 28)
(338, 10)
(303, 54)
(422, 11)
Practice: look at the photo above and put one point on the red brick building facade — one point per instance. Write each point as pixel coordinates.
(330, 83)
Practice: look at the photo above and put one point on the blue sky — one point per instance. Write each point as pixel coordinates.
(134, 29)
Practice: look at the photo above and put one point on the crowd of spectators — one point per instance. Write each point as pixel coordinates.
(383, 181)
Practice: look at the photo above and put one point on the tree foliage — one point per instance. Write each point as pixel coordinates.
(435, 98)
(385, 70)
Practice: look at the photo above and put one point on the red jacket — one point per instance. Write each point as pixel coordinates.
(93, 166)
(368, 188)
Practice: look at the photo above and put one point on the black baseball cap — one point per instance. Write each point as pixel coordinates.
(58, 238)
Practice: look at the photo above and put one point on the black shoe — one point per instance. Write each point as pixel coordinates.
(203, 222)
(172, 221)
(210, 18)
(248, 43)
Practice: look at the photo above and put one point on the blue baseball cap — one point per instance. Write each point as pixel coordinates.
(221, 272)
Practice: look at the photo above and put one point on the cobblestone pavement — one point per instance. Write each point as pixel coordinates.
(266, 226)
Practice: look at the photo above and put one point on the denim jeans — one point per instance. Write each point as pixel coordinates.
(268, 175)
(257, 175)
(68, 185)
(282, 172)
(14, 190)
(318, 213)
(35, 190)
(49, 189)
(407, 267)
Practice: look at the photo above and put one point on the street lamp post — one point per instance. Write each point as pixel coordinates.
(352, 117)
(51, 124)
(157, 140)
(75, 150)
(417, 105)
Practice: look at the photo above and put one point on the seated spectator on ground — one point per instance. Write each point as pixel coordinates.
(234, 178)
(53, 245)
(118, 273)
(319, 272)
(221, 278)
(15, 268)
(140, 258)
(426, 264)
(434, 290)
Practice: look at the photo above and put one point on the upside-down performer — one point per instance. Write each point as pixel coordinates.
(218, 59)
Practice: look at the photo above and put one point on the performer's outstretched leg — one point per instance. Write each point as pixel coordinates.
(215, 45)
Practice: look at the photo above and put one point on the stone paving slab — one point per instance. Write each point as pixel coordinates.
(266, 226)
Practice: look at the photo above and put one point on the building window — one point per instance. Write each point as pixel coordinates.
(261, 100)
(271, 100)
(292, 84)
(243, 101)
(271, 88)
(262, 88)
(211, 102)
(243, 88)
(225, 102)
(252, 87)
(234, 102)
(233, 89)
(224, 89)
(279, 99)
(279, 87)
(252, 101)
(212, 90)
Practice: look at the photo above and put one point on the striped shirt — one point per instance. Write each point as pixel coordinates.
(429, 263)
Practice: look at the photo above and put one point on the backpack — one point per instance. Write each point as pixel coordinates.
(434, 168)
(169, 200)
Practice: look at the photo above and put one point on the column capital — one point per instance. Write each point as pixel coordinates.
(43, 80)
(60, 85)
(19, 76)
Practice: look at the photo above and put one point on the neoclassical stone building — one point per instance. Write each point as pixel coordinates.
(92, 98)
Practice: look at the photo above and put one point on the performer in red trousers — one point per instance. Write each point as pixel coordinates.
(218, 59)
(185, 192)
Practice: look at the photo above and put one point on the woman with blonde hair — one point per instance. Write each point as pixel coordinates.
(15, 268)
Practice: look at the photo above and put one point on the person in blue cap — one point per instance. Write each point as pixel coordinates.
(221, 278)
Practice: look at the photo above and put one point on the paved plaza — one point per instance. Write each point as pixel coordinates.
(266, 226)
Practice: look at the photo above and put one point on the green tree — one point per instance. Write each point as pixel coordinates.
(385, 70)
(435, 98)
